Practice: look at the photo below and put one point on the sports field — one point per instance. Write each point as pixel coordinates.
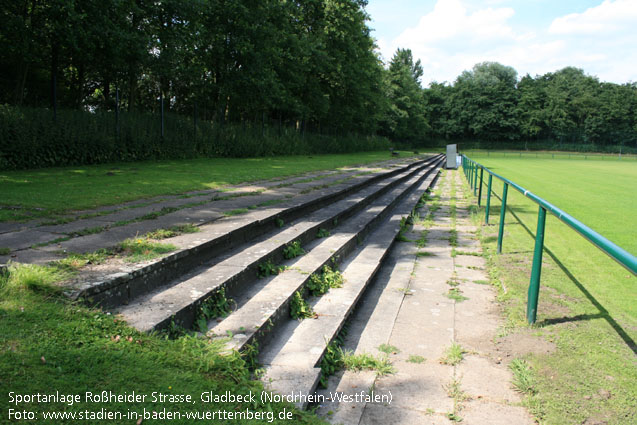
(587, 304)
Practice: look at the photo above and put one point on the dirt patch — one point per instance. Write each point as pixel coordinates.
(520, 344)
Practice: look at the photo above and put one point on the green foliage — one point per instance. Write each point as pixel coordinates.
(328, 278)
(18, 278)
(365, 361)
(172, 231)
(143, 249)
(456, 295)
(416, 359)
(216, 305)
(388, 349)
(5, 251)
(62, 344)
(322, 233)
(279, 223)
(523, 378)
(268, 268)
(293, 250)
(299, 308)
(77, 261)
(453, 355)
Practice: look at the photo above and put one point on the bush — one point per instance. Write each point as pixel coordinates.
(30, 138)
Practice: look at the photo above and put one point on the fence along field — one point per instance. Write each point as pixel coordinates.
(599, 194)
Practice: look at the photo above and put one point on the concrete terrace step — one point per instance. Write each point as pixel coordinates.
(179, 300)
(292, 359)
(216, 238)
(265, 310)
(113, 223)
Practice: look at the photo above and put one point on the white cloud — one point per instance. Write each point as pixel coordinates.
(450, 39)
(618, 15)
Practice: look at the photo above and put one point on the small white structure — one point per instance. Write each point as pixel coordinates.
(452, 157)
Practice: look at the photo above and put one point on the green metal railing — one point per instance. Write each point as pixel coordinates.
(474, 172)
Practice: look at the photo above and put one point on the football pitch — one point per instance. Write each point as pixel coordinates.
(587, 304)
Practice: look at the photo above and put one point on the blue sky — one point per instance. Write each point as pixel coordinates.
(533, 36)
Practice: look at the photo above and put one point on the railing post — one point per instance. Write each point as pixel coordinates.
(503, 209)
(486, 214)
(475, 181)
(480, 187)
(536, 271)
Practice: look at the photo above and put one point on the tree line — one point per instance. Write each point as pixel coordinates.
(308, 64)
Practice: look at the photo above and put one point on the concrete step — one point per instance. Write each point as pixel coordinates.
(292, 359)
(179, 301)
(217, 238)
(256, 319)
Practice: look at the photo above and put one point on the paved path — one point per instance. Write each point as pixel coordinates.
(410, 310)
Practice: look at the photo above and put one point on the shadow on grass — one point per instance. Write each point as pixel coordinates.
(603, 313)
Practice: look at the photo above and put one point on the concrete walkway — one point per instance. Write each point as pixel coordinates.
(409, 309)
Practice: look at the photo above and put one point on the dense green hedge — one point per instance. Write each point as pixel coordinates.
(30, 138)
(534, 145)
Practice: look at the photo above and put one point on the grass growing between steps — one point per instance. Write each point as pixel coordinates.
(50, 344)
(579, 358)
(49, 191)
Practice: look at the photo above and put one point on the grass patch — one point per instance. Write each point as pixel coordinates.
(322, 233)
(77, 261)
(416, 359)
(5, 251)
(172, 231)
(424, 254)
(453, 355)
(456, 295)
(50, 191)
(365, 361)
(236, 211)
(142, 249)
(523, 378)
(388, 349)
(49, 344)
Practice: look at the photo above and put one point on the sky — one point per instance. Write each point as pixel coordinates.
(532, 36)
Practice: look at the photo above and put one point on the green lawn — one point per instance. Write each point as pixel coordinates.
(49, 344)
(587, 301)
(48, 191)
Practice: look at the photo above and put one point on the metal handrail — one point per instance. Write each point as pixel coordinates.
(617, 253)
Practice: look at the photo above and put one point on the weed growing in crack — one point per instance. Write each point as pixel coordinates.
(455, 392)
(365, 361)
(299, 308)
(216, 305)
(416, 359)
(320, 284)
(388, 349)
(453, 355)
(322, 233)
(143, 249)
(173, 231)
(293, 250)
(268, 268)
(456, 295)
